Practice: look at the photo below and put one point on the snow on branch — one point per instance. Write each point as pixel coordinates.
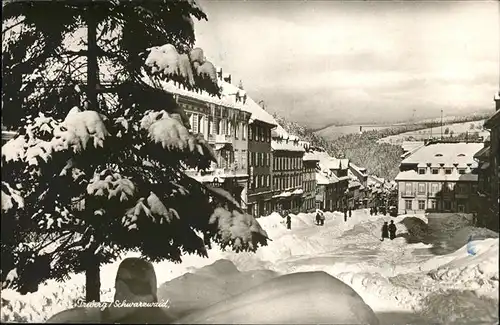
(110, 185)
(79, 128)
(152, 208)
(168, 131)
(11, 198)
(239, 230)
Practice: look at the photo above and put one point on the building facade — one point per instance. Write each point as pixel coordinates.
(309, 164)
(438, 177)
(287, 169)
(488, 195)
(259, 164)
(225, 129)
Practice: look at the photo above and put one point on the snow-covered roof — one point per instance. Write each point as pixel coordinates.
(284, 194)
(322, 179)
(354, 183)
(360, 170)
(258, 113)
(447, 154)
(228, 98)
(311, 156)
(284, 145)
(411, 175)
(411, 145)
(280, 132)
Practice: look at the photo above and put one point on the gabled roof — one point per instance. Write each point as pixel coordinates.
(228, 98)
(483, 154)
(444, 154)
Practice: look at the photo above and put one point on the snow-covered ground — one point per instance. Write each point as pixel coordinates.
(403, 283)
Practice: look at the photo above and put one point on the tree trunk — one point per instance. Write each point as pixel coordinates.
(92, 64)
(92, 276)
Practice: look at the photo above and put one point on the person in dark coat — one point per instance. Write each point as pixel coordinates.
(318, 217)
(375, 210)
(385, 231)
(288, 222)
(345, 215)
(350, 213)
(322, 218)
(392, 230)
(371, 211)
(206, 240)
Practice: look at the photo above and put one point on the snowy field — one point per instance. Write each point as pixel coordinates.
(403, 283)
(454, 129)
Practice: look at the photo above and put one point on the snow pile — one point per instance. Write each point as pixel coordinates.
(460, 307)
(471, 271)
(291, 298)
(414, 228)
(462, 237)
(209, 285)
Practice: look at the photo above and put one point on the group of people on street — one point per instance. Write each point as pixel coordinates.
(373, 211)
(389, 230)
(320, 218)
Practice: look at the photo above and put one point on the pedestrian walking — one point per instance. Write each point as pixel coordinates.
(345, 215)
(375, 210)
(385, 231)
(288, 222)
(392, 230)
(350, 213)
(322, 218)
(318, 217)
(371, 211)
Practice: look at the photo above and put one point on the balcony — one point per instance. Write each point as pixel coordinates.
(223, 138)
(407, 195)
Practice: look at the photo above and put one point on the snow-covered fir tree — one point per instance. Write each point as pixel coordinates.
(97, 166)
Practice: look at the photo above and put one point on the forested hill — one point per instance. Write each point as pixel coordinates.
(362, 149)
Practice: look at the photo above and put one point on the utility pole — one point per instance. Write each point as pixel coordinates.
(441, 124)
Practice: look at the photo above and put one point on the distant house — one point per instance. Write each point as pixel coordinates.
(332, 182)
(438, 177)
(360, 175)
(309, 183)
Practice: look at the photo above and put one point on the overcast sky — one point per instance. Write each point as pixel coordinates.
(319, 62)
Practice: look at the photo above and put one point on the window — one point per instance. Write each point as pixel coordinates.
(435, 171)
(461, 171)
(194, 123)
(268, 180)
(421, 188)
(237, 129)
(435, 188)
(252, 159)
(250, 132)
(408, 188)
(243, 159)
(237, 157)
(433, 205)
(262, 159)
(421, 171)
(244, 131)
(408, 204)
(421, 204)
(448, 171)
(268, 135)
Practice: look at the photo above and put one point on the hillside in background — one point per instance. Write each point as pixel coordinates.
(381, 159)
(424, 123)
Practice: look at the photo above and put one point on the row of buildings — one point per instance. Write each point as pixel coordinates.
(454, 177)
(263, 166)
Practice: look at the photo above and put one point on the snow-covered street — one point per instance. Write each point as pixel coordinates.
(403, 283)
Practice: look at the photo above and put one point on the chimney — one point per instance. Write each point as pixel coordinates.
(228, 79)
(497, 101)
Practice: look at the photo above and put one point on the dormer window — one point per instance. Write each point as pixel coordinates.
(435, 171)
(461, 155)
(438, 155)
(421, 171)
(448, 171)
(461, 171)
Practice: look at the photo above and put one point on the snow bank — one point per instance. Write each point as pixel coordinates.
(209, 285)
(471, 271)
(462, 237)
(460, 307)
(297, 298)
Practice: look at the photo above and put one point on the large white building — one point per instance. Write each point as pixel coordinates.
(438, 177)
